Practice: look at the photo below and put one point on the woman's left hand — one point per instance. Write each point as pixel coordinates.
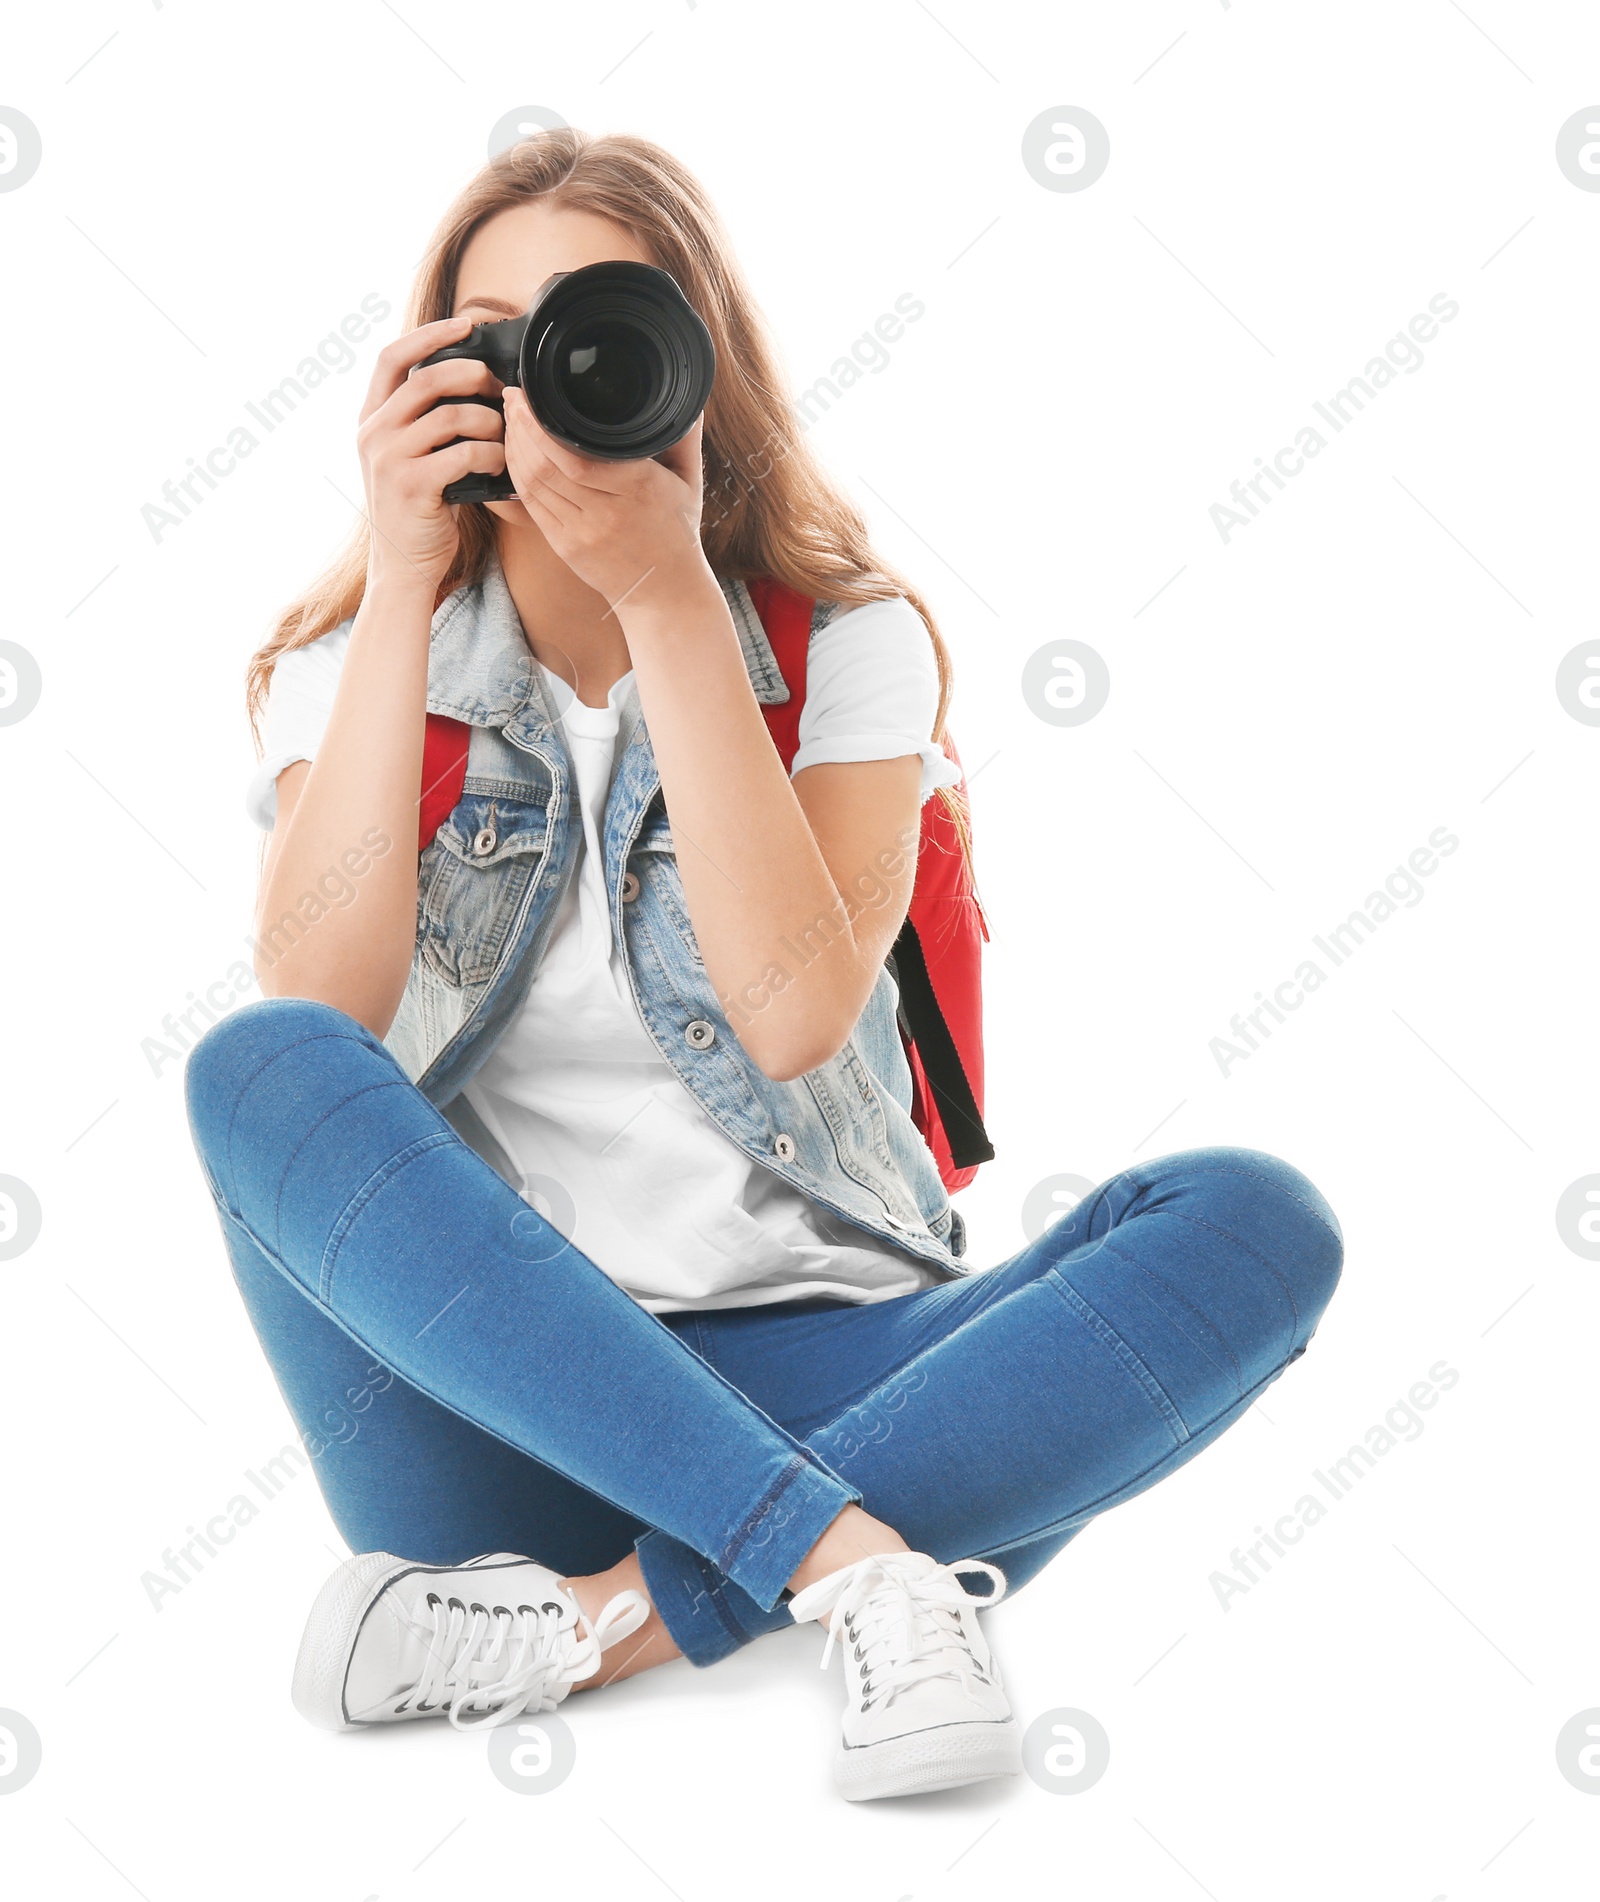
(631, 530)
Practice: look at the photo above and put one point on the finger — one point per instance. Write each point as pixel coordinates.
(533, 488)
(438, 383)
(543, 517)
(580, 471)
(436, 427)
(532, 470)
(448, 465)
(395, 359)
(528, 461)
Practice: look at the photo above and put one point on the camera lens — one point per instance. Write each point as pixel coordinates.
(615, 361)
(610, 372)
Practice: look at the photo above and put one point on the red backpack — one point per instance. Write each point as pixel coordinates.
(936, 958)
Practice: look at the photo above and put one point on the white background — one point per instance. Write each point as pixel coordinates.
(1291, 713)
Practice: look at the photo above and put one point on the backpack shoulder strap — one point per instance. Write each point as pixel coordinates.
(445, 745)
(785, 617)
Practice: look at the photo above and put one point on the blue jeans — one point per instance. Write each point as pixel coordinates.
(467, 1381)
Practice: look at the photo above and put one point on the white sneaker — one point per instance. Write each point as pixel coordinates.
(388, 1641)
(925, 1710)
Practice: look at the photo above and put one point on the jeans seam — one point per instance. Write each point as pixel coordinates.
(333, 1109)
(277, 1263)
(1182, 1299)
(1152, 1388)
(1139, 1182)
(320, 1036)
(1255, 1253)
(383, 1174)
(787, 1478)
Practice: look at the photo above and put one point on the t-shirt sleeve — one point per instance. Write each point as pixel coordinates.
(299, 702)
(872, 692)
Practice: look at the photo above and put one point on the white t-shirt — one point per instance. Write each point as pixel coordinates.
(609, 1144)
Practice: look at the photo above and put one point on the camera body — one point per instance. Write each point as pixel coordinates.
(612, 358)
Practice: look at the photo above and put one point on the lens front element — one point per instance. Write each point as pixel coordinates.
(612, 373)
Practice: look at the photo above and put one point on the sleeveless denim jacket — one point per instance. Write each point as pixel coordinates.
(489, 888)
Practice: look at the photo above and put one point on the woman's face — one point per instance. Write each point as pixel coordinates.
(510, 256)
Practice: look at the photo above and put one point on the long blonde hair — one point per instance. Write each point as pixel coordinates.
(770, 507)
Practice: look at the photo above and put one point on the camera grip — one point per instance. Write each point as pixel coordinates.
(478, 487)
(499, 345)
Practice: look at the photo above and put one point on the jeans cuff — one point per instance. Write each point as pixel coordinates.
(763, 1552)
(707, 1616)
(710, 1614)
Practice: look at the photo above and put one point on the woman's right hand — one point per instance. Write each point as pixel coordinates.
(404, 463)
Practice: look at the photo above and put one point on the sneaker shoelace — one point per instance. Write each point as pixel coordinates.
(904, 1628)
(504, 1661)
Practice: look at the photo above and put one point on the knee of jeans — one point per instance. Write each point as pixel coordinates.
(1303, 1235)
(234, 1051)
(1275, 1209)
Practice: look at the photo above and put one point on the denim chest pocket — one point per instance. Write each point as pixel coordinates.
(654, 862)
(472, 881)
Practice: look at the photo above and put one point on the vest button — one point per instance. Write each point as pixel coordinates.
(700, 1035)
(784, 1148)
(485, 842)
(630, 888)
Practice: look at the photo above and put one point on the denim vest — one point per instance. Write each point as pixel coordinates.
(488, 891)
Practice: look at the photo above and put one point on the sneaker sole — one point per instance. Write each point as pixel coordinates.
(323, 1662)
(929, 1760)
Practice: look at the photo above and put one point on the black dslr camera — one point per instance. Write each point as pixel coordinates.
(612, 358)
